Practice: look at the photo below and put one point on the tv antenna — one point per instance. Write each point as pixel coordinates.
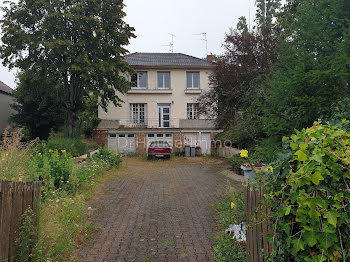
(204, 38)
(171, 45)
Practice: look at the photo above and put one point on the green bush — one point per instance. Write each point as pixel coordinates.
(310, 197)
(226, 248)
(109, 156)
(53, 167)
(74, 146)
(236, 161)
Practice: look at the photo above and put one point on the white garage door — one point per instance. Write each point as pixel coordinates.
(159, 137)
(122, 143)
(205, 144)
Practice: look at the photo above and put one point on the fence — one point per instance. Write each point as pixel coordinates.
(258, 247)
(15, 199)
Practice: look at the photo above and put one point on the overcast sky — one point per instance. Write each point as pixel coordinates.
(153, 20)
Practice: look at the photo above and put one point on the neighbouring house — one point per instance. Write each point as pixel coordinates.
(161, 106)
(6, 111)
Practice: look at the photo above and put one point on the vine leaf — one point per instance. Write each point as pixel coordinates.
(298, 244)
(288, 210)
(327, 240)
(332, 217)
(302, 157)
(310, 237)
(317, 177)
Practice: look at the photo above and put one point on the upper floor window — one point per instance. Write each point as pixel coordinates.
(192, 80)
(139, 80)
(193, 111)
(137, 112)
(163, 79)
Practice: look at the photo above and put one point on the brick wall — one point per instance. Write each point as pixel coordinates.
(141, 143)
(178, 141)
(101, 137)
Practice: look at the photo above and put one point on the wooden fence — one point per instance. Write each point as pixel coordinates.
(258, 248)
(15, 199)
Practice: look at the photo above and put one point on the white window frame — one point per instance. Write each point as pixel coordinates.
(163, 72)
(138, 113)
(192, 73)
(138, 80)
(192, 111)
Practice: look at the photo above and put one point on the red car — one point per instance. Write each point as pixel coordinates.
(159, 149)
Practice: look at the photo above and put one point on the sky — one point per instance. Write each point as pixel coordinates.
(155, 20)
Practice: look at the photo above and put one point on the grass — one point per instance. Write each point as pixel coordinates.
(65, 220)
(227, 249)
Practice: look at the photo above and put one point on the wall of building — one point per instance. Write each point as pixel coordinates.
(5, 110)
(178, 98)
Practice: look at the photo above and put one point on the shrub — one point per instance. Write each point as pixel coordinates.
(109, 156)
(53, 167)
(310, 197)
(236, 161)
(74, 146)
(226, 248)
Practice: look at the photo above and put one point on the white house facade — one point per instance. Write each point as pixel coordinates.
(162, 105)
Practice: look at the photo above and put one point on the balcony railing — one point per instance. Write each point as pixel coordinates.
(149, 123)
(173, 123)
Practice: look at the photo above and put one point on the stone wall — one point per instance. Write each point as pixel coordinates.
(101, 137)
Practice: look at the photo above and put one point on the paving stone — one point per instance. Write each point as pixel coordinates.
(156, 211)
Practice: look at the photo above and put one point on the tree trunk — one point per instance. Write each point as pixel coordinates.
(70, 123)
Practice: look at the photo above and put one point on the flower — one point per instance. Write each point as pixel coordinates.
(244, 153)
(232, 205)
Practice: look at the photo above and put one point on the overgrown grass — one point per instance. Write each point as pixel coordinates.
(227, 249)
(65, 219)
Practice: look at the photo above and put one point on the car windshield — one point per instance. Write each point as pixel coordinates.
(159, 144)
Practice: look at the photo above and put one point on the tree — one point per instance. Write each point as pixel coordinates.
(242, 25)
(313, 67)
(266, 11)
(78, 43)
(39, 105)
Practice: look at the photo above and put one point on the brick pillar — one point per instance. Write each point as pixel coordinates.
(178, 141)
(141, 140)
(101, 137)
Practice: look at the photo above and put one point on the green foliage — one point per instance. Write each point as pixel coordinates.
(109, 156)
(53, 167)
(89, 119)
(310, 197)
(38, 105)
(73, 145)
(27, 236)
(236, 161)
(312, 71)
(227, 249)
(80, 45)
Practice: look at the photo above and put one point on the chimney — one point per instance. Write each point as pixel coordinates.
(210, 58)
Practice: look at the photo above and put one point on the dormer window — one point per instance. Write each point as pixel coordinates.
(139, 80)
(192, 80)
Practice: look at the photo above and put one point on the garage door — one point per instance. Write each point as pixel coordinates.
(205, 144)
(160, 137)
(122, 143)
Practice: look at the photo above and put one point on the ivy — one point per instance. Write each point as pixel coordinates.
(309, 197)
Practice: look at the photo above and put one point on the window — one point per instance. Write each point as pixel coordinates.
(193, 111)
(159, 135)
(139, 80)
(163, 80)
(137, 112)
(150, 135)
(168, 135)
(192, 80)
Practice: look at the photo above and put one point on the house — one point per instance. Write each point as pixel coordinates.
(6, 111)
(161, 105)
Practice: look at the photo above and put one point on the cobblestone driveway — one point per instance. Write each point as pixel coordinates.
(157, 211)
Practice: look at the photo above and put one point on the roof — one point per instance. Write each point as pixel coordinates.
(5, 88)
(166, 60)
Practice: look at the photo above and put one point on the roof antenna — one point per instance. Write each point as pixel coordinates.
(171, 45)
(204, 38)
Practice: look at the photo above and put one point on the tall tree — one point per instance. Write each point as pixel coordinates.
(313, 68)
(39, 105)
(79, 43)
(266, 11)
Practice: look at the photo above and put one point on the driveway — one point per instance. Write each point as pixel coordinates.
(157, 211)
